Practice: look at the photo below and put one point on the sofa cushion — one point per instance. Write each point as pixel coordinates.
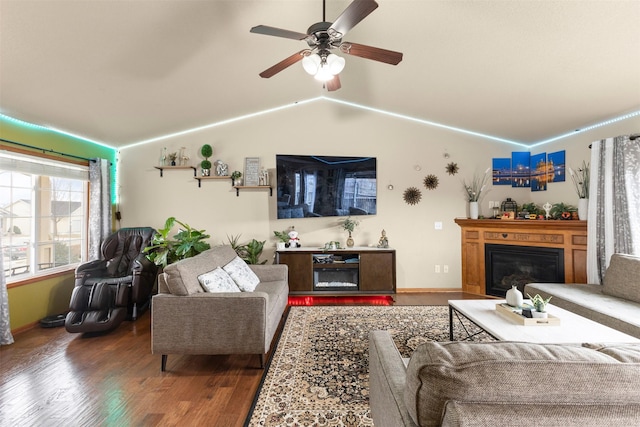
(240, 272)
(622, 278)
(218, 280)
(515, 372)
(182, 277)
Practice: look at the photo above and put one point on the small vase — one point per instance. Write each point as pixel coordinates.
(514, 297)
(281, 246)
(350, 241)
(583, 209)
(473, 210)
(206, 172)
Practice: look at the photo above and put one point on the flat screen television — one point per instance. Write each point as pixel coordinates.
(319, 186)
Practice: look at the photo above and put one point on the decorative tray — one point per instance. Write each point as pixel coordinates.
(515, 315)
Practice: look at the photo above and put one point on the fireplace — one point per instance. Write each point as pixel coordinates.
(508, 265)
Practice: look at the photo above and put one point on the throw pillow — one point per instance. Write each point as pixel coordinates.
(218, 281)
(240, 272)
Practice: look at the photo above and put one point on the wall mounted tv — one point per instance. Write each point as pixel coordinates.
(318, 186)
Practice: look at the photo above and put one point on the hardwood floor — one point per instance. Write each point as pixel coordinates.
(49, 377)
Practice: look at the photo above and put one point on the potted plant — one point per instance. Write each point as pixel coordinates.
(250, 252)
(206, 151)
(236, 178)
(173, 157)
(540, 305)
(473, 191)
(187, 243)
(580, 178)
(561, 211)
(283, 239)
(350, 225)
(530, 209)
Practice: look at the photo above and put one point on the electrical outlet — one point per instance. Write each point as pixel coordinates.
(438, 225)
(437, 268)
(445, 268)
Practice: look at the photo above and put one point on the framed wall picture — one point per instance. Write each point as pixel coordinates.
(540, 175)
(251, 171)
(557, 163)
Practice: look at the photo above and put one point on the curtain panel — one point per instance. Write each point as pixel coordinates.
(614, 203)
(99, 205)
(5, 326)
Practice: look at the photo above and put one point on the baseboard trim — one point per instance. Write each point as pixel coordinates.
(423, 290)
(25, 328)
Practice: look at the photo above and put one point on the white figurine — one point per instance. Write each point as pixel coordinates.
(547, 208)
(221, 168)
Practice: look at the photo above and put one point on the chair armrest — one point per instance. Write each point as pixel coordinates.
(387, 378)
(271, 273)
(142, 264)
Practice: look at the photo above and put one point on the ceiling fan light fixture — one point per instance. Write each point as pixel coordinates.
(335, 63)
(324, 73)
(311, 63)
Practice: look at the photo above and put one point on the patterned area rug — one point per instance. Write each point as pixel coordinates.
(319, 373)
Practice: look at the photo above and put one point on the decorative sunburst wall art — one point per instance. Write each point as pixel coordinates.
(430, 182)
(412, 195)
(452, 168)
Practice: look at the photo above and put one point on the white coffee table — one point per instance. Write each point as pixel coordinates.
(572, 329)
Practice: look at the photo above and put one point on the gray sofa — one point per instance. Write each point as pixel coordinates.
(187, 320)
(615, 303)
(503, 383)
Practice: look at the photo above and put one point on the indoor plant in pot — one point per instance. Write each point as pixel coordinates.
(283, 239)
(206, 151)
(540, 305)
(350, 225)
(188, 242)
(236, 177)
(474, 191)
(580, 178)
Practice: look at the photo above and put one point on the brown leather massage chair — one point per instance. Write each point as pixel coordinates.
(116, 287)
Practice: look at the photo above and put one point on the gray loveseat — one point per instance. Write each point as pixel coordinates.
(187, 320)
(615, 303)
(503, 383)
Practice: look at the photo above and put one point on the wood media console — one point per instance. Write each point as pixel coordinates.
(350, 271)
(568, 237)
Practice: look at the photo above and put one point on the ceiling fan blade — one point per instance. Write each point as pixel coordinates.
(278, 32)
(354, 13)
(333, 84)
(369, 52)
(272, 71)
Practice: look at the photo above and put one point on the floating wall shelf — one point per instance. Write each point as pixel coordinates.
(206, 178)
(254, 187)
(162, 168)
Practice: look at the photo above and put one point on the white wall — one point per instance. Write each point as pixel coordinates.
(325, 128)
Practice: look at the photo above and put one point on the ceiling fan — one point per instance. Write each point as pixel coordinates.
(322, 37)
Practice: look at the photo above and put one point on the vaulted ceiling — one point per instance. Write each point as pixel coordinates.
(122, 71)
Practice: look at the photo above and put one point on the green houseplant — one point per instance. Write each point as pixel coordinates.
(558, 209)
(249, 252)
(206, 151)
(188, 242)
(235, 177)
(539, 303)
(283, 238)
(350, 225)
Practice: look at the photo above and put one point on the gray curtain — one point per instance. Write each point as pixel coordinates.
(614, 203)
(99, 205)
(5, 327)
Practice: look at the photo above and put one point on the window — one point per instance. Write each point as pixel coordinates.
(43, 215)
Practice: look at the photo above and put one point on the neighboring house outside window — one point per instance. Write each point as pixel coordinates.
(43, 215)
